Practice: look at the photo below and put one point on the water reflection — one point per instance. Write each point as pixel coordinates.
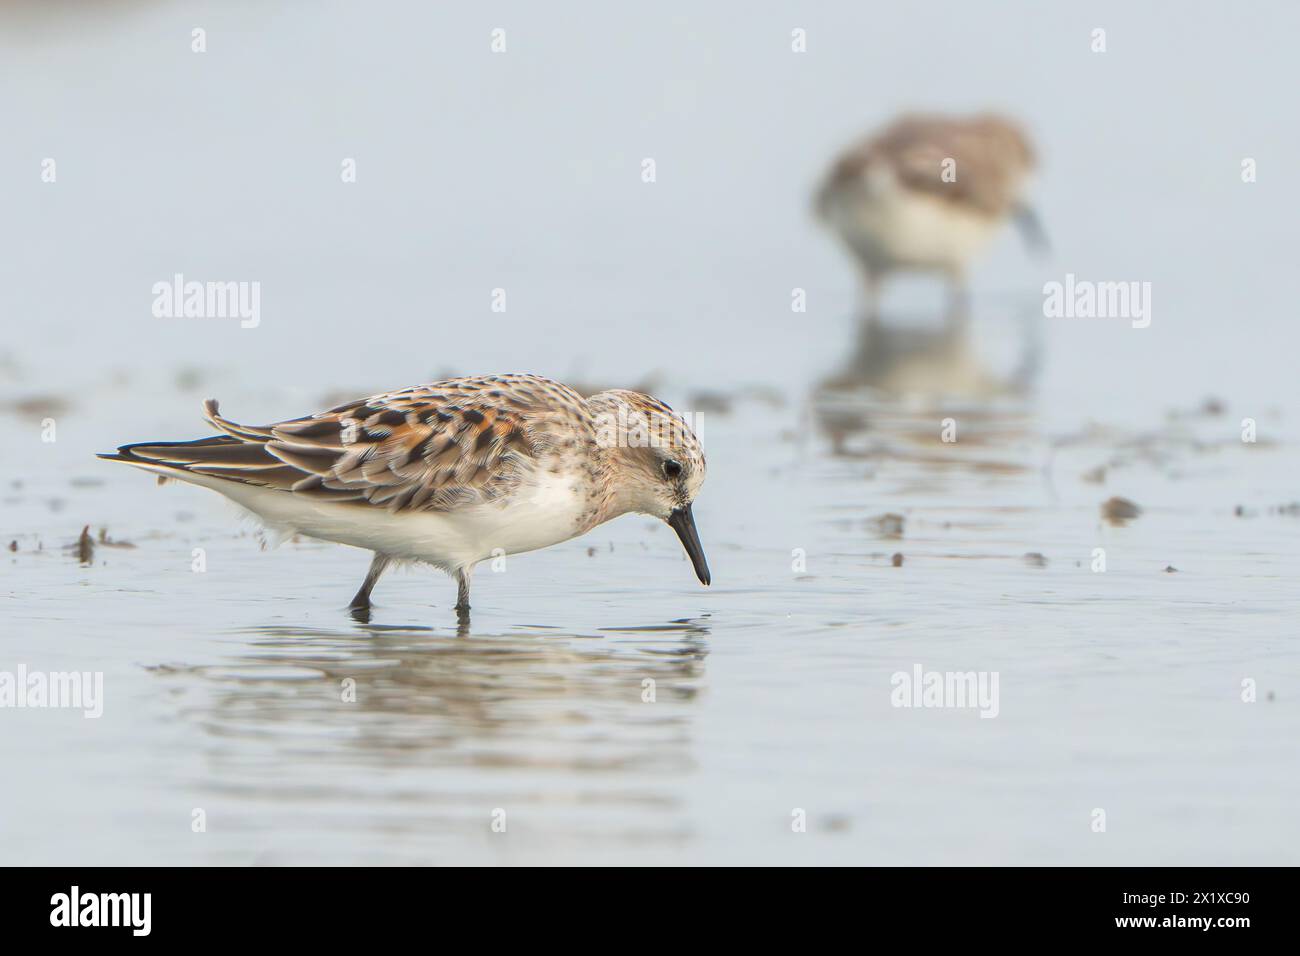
(902, 381)
(903, 361)
(411, 727)
(533, 697)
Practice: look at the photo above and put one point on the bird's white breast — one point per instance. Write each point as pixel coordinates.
(892, 226)
(544, 511)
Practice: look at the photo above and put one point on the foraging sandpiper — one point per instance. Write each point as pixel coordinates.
(927, 193)
(453, 472)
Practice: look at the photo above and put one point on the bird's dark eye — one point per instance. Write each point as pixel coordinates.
(673, 468)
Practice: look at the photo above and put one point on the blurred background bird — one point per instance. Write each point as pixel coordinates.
(927, 193)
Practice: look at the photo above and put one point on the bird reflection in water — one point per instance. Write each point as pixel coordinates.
(533, 695)
(903, 378)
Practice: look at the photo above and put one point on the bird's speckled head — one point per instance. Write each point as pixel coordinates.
(657, 464)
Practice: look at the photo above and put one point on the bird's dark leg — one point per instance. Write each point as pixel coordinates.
(462, 595)
(867, 334)
(377, 566)
(871, 279)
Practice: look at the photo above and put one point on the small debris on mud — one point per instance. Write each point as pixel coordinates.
(1210, 407)
(887, 525)
(40, 406)
(1095, 476)
(108, 542)
(85, 546)
(1035, 560)
(896, 560)
(189, 378)
(1117, 510)
(715, 403)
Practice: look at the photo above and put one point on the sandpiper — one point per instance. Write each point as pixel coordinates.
(453, 472)
(927, 193)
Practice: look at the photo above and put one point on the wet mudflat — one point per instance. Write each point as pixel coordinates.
(605, 708)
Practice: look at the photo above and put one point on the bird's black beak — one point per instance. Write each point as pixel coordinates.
(1031, 229)
(683, 522)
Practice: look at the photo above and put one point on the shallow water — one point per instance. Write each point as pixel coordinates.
(772, 689)
(224, 690)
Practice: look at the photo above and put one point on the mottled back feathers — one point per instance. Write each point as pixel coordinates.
(992, 156)
(435, 447)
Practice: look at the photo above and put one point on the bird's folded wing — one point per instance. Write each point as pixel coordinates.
(963, 162)
(431, 448)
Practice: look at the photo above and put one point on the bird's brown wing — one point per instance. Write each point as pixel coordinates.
(989, 154)
(428, 448)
